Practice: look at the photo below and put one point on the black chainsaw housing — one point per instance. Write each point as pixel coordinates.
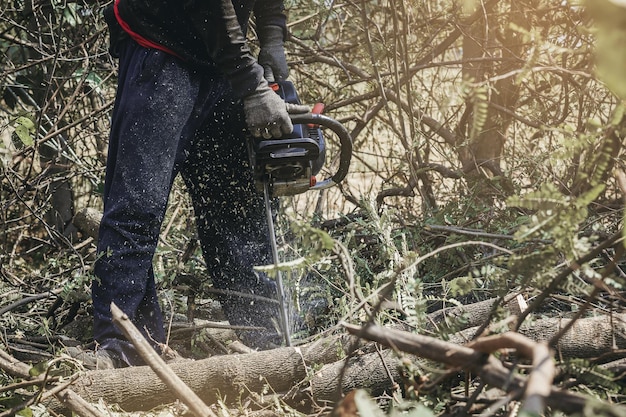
(289, 164)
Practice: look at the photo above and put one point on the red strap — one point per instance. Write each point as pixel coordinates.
(146, 43)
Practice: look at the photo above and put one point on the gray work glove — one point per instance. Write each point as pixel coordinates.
(272, 54)
(267, 115)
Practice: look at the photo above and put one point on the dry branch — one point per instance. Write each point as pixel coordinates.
(540, 379)
(64, 394)
(77, 404)
(12, 366)
(487, 367)
(158, 365)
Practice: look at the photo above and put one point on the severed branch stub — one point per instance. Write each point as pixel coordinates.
(158, 365)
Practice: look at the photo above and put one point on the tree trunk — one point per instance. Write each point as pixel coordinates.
(490, 105)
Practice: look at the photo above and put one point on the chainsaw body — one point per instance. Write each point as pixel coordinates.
(289, 164)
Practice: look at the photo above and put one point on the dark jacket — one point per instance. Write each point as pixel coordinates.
(202, 32)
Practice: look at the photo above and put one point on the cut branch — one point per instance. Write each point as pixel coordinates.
(487, 367)
(158, 365)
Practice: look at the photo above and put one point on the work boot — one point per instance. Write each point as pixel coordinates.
(96, 360)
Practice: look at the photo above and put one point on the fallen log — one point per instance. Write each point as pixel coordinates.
(588, 338)
(375, 372)
(473, 315)
(158, 365)
(223, 377)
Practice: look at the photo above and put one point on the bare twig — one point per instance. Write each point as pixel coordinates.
(12, 366)
(468, 232)
(30, 299)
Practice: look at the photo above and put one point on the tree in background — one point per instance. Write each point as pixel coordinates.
(479, 94)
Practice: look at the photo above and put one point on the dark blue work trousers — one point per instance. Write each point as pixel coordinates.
(169, 119)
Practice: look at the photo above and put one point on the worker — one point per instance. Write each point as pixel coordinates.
(190, 93)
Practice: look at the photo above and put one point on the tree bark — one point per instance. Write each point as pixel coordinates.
(481, 152)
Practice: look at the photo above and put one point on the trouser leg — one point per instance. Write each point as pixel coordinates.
(154, 102)
(231, 220)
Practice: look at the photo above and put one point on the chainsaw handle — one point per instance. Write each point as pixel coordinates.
(345, 145)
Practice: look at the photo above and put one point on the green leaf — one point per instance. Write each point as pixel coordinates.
(93, 80)
(26, 122)
(24, 128)
(462, 285)
(38, 369)
(591, 195)
(27, 412)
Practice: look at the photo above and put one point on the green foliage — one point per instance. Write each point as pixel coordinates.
(478, 97)
(317, 242)
(461, 285)
(555, 217)
(398, 266)
(589, 375)
(602, 409)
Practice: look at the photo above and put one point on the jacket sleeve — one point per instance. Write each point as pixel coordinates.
(215, 21)
(270, 12)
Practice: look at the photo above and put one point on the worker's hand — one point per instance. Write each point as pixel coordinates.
(272, 54)
(266, 113)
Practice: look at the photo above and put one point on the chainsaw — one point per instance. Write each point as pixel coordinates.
(289, 165)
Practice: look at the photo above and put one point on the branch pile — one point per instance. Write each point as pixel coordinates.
(320, 373)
